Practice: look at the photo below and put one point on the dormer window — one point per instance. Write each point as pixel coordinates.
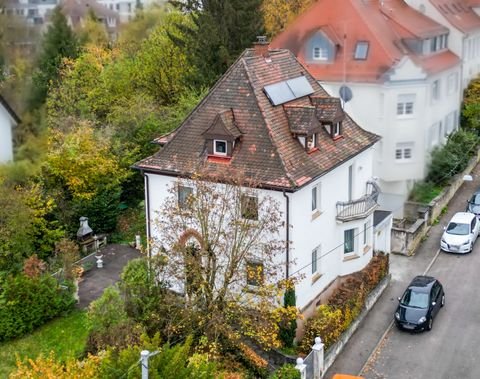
(222, 135)
(335, 129)
(320, 53)
(434, 44)
(220, 147)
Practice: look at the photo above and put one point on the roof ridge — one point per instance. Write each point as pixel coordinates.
(265, 120)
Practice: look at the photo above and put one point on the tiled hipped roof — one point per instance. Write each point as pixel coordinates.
(267, 150)
(459, 13)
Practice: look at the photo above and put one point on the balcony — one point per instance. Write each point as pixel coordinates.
(359, 208)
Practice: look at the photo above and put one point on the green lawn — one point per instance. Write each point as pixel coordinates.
(66, 336)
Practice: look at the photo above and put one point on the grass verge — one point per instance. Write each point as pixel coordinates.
(66, 336)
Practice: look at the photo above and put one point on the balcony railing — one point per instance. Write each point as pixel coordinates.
(359, 208)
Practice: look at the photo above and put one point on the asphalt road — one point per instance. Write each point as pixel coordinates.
(451, 349)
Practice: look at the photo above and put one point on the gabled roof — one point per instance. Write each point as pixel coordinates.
(224, 125)
(9, 109)
(459, 13)
(383, 24)
(267, 151)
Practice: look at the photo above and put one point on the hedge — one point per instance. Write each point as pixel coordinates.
(26, 303)
(344, 305)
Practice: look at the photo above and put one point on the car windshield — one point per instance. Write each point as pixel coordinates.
(475, 199)
(458, 229)
(414, 299)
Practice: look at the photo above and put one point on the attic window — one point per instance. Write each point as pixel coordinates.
(311, 142)
(361, 50)
(335, 129)
(220, 147)
(320, 53)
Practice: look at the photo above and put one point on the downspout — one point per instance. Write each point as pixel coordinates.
(147, 210)
(287, 235)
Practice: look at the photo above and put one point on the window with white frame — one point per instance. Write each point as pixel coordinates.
(219, 147)
(316, 197)
(404, 151)
(452, 83)
(405, 105)
(255, 273)
(366, 233)
(316, 256)
(349, 241)
(311, 141)
(436, 90)
(434, 134)
(320, 53)
(183, 194)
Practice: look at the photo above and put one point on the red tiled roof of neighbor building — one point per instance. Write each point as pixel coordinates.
(266, 150)
(459, 13)
(383, 25)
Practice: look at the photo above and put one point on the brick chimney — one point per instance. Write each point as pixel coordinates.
(261, 46)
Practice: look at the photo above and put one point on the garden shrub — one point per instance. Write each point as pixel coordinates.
(424, 192)
(286, 372)
(452, 158)
(109, 323)
(26, 303)
(344, 305)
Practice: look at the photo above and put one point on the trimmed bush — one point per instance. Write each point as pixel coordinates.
(344, 305)
(26, 303)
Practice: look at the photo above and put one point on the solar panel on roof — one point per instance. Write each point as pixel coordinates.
(288, 90)
(300, 86)
(279, 93)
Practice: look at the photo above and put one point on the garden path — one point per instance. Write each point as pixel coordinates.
(95, 280)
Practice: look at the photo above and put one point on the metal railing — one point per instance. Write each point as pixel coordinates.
(359, 208)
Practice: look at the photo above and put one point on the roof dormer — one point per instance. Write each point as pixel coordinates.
(222, 135)
(304, 125)
(329, 112)
(321, 46)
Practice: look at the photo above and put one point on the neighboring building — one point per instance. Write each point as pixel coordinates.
(403, 77)
(269, 117)
(33, 11)
(77, 12)
(37, 12)
(462, 19)
(8, 120)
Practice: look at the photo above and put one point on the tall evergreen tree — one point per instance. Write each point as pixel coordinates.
(223, 29)
(59, 42)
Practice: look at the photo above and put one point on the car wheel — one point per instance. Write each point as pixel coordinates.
(471, 247)
(443, 300)
(430, 323)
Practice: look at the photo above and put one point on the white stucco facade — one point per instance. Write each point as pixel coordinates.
(465, 45)
(308, 230)
(6, 135)
(402, 156)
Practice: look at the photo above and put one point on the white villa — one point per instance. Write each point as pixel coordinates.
(269, 117)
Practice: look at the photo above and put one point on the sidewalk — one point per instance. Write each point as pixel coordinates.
(94, 281)
(358, 350)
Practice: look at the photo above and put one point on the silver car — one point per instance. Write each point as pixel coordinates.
(460, 233)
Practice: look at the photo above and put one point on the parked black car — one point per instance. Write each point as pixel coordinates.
(473, 205)
(419, 304)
